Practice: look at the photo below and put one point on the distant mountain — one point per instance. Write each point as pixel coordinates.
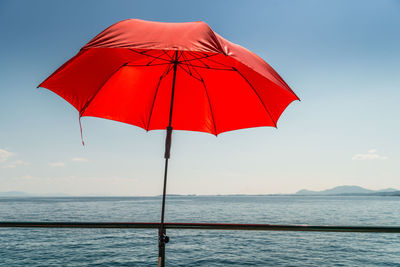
(306, 192)
(350, 190)
(388, 190)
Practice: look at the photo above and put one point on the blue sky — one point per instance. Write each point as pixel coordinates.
(342, 58)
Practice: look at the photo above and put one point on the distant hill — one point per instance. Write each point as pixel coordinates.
(350, 190)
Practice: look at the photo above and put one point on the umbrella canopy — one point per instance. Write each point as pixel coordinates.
(179, 76)
(125, 74)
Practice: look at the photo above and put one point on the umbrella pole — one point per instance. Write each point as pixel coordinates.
(162, 237)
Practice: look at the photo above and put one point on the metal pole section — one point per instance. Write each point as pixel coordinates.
(162, 237)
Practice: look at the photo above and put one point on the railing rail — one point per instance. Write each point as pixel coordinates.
(204, 226)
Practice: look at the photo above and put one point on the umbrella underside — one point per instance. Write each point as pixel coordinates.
(214, 93)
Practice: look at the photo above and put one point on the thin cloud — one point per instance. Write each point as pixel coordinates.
(4, 158)
(16, 163)
(57, 164)
(80, 159)
(371, 155)
(4, 155)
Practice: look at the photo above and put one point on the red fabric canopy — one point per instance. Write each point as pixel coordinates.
(125, 74)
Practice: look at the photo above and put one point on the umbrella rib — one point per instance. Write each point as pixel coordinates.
(248, 82)
(167, 70)
(188, 69)
(159, 57)
(184, 63)
(207, 66)
(166, 53)
(206, 56)
(144, 54)
(172, 59)
(204, 67)
(199, 59)
(191, 53)
(208, 98)
(188, 72)
(181, 55)
(196, 66)
(211, 68)
(83, 110)
(188, 65)
(209, 103)
(158, 64)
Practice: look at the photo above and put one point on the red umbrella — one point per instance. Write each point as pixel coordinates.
(180, 76)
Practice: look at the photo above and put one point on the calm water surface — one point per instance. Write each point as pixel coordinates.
(137, 247)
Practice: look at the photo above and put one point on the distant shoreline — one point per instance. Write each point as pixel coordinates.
(344, 190)
(194, 196)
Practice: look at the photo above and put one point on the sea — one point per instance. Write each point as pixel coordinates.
(138, 247)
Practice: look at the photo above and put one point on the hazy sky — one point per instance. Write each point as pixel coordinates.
(342, 58)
